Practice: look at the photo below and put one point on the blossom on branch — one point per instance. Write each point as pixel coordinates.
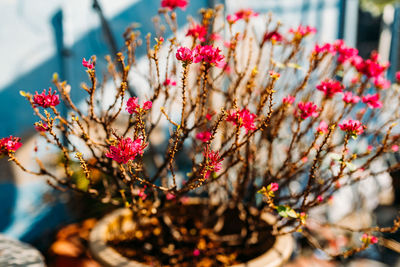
(243, 118)
(132, 106)
(352, 127)
(9, 144)
(126, 150)
(46, 100)
(172, 4)
(306, 109)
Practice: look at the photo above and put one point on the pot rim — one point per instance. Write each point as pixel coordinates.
(279, 253)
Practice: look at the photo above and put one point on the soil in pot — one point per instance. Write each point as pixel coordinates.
(193, 235)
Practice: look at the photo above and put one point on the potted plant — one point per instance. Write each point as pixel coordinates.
(230, 132)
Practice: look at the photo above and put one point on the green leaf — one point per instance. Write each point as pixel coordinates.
(286, 211)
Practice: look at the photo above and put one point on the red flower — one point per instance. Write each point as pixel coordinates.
(288, 100)
(306, 110)
(302, 31)
(326, 48)
(348, 98)
(203, 136)
(172, 4)
(345, 53)
(372, 101)
(169, 82)
(126, 150)
(370, 67)
(87, 64)
(41, 127)
(210, 114)
(381, 83)
(273, 187)
(353, 127)
(184, 54)
(9, 144)
(244, 14)
(132, 105)
(243, 118)
(273, 36)
(197, 31)
(46, 100)
(369, 239)
(322, 128)
(212, 161)
(330, 87)
(398, 76)
(209, 54)
(274, 75)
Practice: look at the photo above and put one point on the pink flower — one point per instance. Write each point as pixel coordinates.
(273, 36)
(172, 4)
(209, 54)
(212, 162)
(231, 18)
(142, 194)
(244, 14)
(320, 198)
(87, 64)
(169, 82)
(306, 110)
(395, 148)
(9, 144)
(209, 115)
(302, 31)
(370, 67)
(330, 87)
(273, 187)
(349, 98)
(287, 101)
(381, 83)
(46, 100)
(398, 76)
(353, 127)
(322, 128)
(132, 105)
(126, 150)
(196, 252)
(345, 53)
(274, 75)
(41, 127)
(198, 32)
(372, 101)
(170, 196)
(203, 136)
(243, 118)
(184, 54)
(369, 239)
(326, 48)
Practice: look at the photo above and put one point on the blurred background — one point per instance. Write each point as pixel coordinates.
(41, 37)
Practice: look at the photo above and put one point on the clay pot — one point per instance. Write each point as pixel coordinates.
(107, 256)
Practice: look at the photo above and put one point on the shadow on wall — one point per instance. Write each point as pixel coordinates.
(16, 115)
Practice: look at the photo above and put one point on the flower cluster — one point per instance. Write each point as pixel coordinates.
(132, 106)
(126, 150)
(243, 118)
(46, 100)
(172, 4)
(9, 144)
(306, 109)
(197, 32)
(212, 162)
(243, 14)
(330, 87)
(352, 127)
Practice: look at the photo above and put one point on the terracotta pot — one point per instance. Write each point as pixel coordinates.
(276, 256)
